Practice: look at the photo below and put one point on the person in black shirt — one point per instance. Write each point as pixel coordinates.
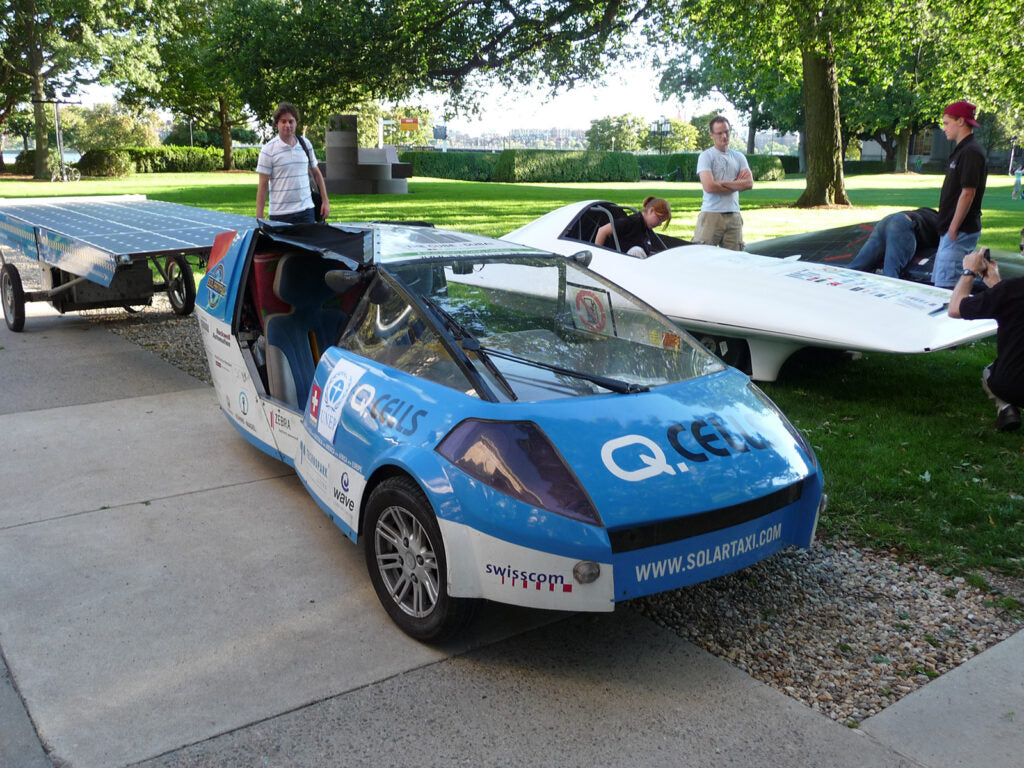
(1003, 380)
(895, 240)
(960, 198)
(635, 232)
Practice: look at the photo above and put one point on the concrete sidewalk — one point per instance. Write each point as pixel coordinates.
(171, 596)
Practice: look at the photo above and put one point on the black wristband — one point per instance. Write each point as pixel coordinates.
(967, 272)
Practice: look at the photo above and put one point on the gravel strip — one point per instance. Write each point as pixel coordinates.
(846, 630)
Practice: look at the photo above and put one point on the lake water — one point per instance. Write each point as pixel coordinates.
(11, 155)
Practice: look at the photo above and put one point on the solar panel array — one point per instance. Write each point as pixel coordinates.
(130, 226)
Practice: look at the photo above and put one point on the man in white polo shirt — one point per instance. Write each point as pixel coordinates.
(284, 167)
(723, 173)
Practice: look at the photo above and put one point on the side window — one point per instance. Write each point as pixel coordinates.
(387, 329)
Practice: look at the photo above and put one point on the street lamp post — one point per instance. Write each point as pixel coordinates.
(662, 127)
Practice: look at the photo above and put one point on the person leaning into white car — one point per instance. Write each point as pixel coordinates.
(723, 173)
(634, 234)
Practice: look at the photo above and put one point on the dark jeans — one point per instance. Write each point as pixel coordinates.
(299, 217)
(892, 245)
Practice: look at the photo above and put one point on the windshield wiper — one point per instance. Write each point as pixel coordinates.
(615, 385)
(468, 343)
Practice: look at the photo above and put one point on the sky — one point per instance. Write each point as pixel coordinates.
(627, 90)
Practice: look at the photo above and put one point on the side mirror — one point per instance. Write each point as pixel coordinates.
(583, 257)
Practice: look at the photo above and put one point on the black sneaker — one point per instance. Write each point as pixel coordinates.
(1008, 418)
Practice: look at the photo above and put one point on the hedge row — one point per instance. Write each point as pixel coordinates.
(862, 167)
(678, 166)
(245, 159)
(551, 165)
(467, 166)
(790, 163)
(533, 165)
(168, 159)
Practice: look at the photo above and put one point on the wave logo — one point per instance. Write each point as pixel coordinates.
(344, 481)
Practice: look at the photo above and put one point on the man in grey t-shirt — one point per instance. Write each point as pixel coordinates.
(724, 173)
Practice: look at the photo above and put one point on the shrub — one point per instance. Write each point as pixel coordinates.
(246, 159)
(171, 159)
(106, 162)
(766, 167)
(25, 162)
(541, 165)
(465, 166)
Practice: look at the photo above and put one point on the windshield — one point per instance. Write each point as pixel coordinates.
(539, 328)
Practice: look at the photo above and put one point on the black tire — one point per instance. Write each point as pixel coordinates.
(406, 560)
(13, 298)
(181, 285)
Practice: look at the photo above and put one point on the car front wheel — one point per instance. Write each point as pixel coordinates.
(406, 560)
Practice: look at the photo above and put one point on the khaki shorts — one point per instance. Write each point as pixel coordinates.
(724, 229)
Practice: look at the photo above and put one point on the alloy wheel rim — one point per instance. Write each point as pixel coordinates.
(406, 561)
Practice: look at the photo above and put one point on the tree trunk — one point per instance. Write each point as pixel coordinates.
(225, 132)
(825, 184)
(902, 150)
(41, 169)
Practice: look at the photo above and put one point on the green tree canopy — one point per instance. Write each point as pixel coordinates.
(107, 126)
(192, 78)
(327, 57)
(622, 133)
(57, 46)
(681, 137)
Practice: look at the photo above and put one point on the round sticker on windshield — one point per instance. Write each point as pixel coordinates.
(590, 311)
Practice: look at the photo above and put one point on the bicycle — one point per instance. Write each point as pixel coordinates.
(65, 172)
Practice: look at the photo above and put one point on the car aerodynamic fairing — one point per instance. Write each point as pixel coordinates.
(755, 311)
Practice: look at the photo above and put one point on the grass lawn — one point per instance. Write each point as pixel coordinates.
(911, 461)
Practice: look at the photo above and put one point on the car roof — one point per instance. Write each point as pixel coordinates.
(383, 243)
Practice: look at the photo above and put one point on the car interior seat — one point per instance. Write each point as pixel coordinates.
(296, 338)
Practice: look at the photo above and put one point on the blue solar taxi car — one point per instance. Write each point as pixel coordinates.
(494, 422)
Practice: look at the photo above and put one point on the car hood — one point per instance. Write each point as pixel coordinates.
(678, 450)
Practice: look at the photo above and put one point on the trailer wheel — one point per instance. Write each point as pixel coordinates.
(181, 285)
(13, 297)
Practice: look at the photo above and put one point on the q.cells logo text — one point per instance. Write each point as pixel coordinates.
(636, 457)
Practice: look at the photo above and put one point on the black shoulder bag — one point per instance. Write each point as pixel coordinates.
(314, 190)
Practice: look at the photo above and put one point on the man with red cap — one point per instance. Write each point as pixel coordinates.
(960, 199)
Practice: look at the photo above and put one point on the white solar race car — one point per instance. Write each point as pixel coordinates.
(755, 311)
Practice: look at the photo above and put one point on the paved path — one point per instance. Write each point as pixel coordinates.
(170, 596)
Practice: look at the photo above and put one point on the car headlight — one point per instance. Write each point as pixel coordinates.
(517, 459)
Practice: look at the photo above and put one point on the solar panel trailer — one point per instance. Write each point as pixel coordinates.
(97, 252)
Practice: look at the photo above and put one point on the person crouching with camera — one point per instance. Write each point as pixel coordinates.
(1003, 379)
